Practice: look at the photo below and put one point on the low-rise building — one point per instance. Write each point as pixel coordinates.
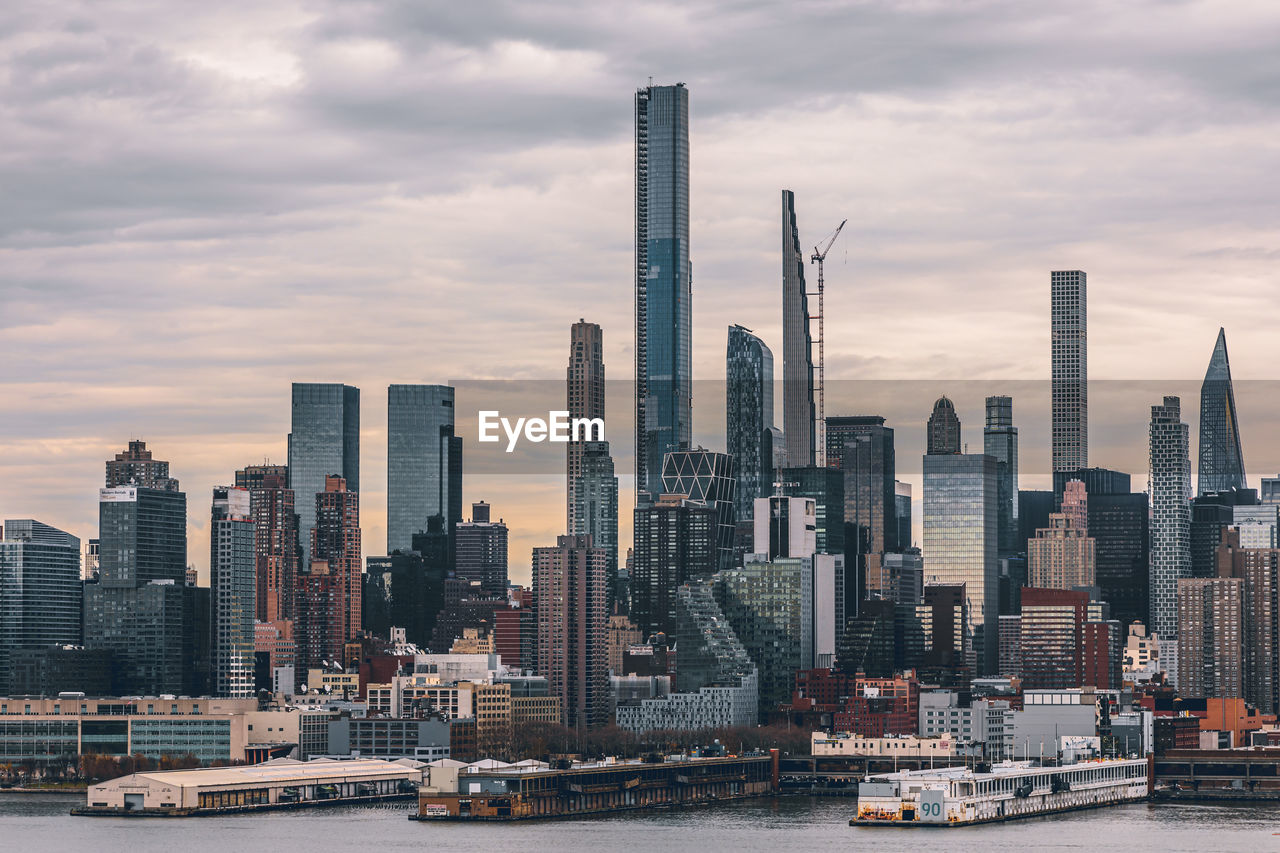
(823, 744)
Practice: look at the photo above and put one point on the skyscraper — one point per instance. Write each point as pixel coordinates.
(1000, 440)
(275, 532)
(861, 446)
(482, 551)
(943, 429)
(141, 609)
(960, 530)
(706, 476)
(569, 586)
(1061, 556)
(1069, 389)
(585, 391)
(424, 461)
(664, 281)
(329, 606)
(797, 345)
(40, 593)
(324, 441)
(596, 498)
(748, 417)
(137, 467)
(1259, 569)
(1210, 614)
(1221, 459)
(675, 541)
(232, 570)
(1170, 484)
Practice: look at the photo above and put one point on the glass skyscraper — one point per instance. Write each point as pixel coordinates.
(798, 420)
(861, 446)
(961, 525)
(324, 442)
(40, 595)
(1000, 439)
(1221, 459)
(708, 477)
(664, 275)
(748, 416)
(424, 461)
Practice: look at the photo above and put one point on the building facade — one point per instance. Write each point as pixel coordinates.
(232, 593)
(596, 508)
(748, 417)
(569, 584)
(584, 390)
(1221, 460)
(424, 461)
(275, 530)
(709, 477)
(664, 281)
(1170, 484)
(40, 591)
(1069, 385)
(1061, 556)
(324, 440)
(1000, 441)
(481, 551)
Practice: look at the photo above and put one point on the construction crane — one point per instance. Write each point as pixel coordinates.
(820, 433)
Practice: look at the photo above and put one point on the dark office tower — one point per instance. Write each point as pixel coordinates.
(140, 608)
(1034, 508)
(675, 541)
(136, 467)
(324, 441)
(1211, 514)
(1118, 524)
(706, 476)
(40, 591)
(424, 461)
(1221, 459)
(797, 345)
(826, 487)
(481, 551)
(862, 448)
(585, 392)
(329, 609)
(664, 281)
(943, 429)
(1097, 481)
(1170, 484)
(902, 514)
(275, 531)
(1069, 387)
(1000, 439)
(960, 528)
(596, 496)
(748, 417)
(233, 602)
(573, 653)
(404, 590)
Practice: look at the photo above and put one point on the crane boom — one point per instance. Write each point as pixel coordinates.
(820, 426)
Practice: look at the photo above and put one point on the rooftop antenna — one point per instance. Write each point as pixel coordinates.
(820, 434)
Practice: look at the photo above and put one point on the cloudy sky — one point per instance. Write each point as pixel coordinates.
(200, 203)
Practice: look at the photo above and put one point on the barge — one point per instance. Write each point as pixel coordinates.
(499, 792)
(960, 796)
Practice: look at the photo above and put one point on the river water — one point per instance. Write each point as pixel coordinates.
(34, 823)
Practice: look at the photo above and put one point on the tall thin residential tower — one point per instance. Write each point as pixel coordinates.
(1170, 485)
(797, 345)
(1221, 459)
(1000, 439)
(1070, 380)
(664, 280)
(585, 391)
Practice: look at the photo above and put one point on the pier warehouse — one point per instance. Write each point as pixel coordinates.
(282, 782)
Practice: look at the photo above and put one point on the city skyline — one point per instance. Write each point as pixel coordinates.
(211, 408)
